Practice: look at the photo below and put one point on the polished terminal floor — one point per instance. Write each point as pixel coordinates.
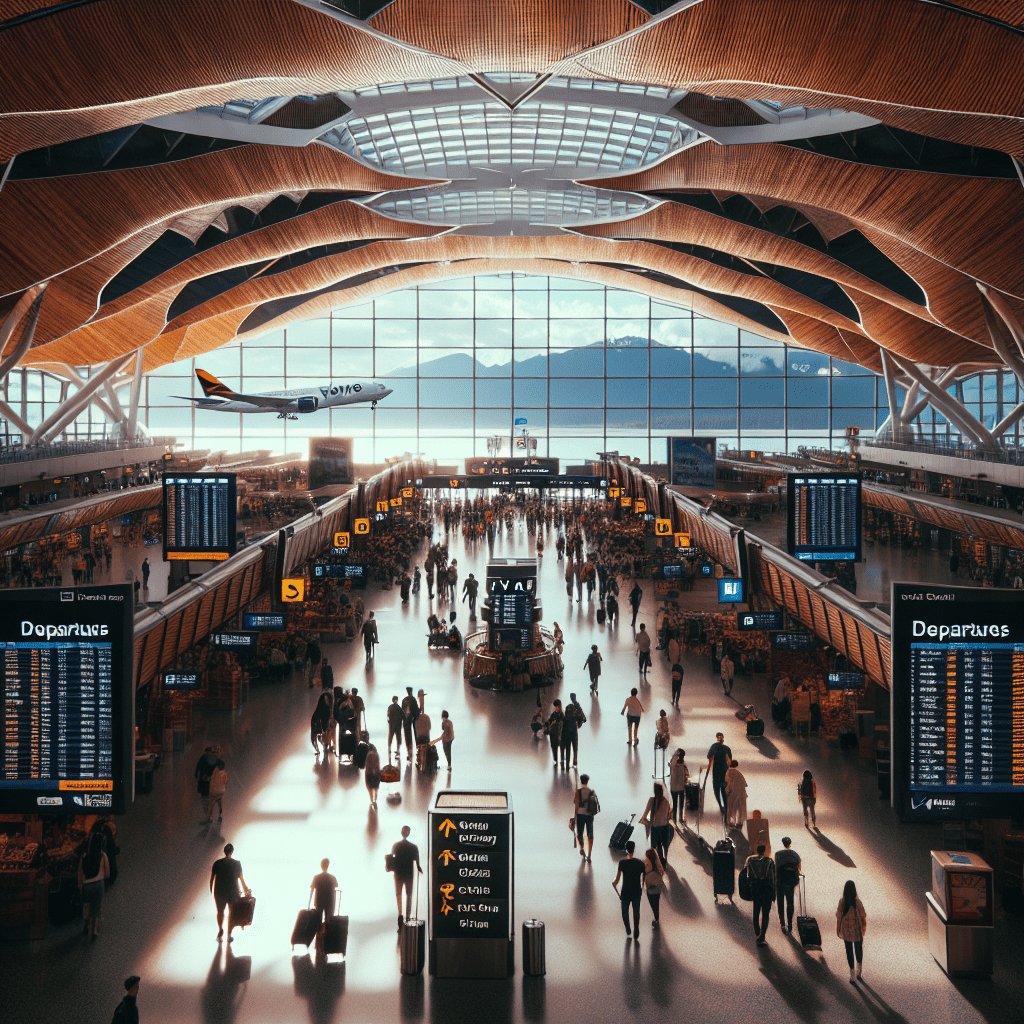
(284, 812)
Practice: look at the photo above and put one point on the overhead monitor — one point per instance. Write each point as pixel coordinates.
(752, 621)
(957, 700)
(66, 685)
(511, 609)
(845, 681)
(823, 516)
(263, 623)
(691, 461)
(181, 680)
(794, 642)
(234, 641)
(199, 516)
(330, 570)
(730, 591)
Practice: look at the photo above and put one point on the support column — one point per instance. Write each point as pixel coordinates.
(27, 308)
(133, 400)
(66, 412)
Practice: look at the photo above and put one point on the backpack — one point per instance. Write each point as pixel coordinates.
(807, 788)
(592, 804)
(789, 876)
(578, 714)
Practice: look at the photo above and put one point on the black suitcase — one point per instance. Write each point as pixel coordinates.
(807, 927)
(336, 935)
(692, 796)
(756, 727)
(306, 925)
(600, 616)
(362, 749)
(347, 744)
(723, 868)
(621, 834)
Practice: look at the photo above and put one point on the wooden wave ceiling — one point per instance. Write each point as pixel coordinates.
(825, 246)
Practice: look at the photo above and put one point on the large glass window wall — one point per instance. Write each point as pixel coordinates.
(589, 368)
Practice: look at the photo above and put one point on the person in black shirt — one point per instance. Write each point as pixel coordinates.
(719, 759)
(370, 636)
(410, 712)
(405, 856)
(323, 887)
(636, 595)
(225, 878)
(631, 872)
(127, 1011)
(203, 774)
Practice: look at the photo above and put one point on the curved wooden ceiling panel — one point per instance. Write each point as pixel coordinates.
(844, 53)
(182, 55)
(968, 223)
(52, 224)
(495, 35)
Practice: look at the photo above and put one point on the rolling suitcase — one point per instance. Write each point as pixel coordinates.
(414, 941)
(600, 616)
(621, 834)
(347, 744)
(336, 934)
(692, 796)
(362, 749)
(807, 927)
(723, 868)
(241, 912)
(755, 727)
(305, 928)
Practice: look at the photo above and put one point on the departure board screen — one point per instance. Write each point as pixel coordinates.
(264, 623)
(66, 686)
(199, 516)
(823, 517)
(511, 610)
(747, 621)
(957, 702)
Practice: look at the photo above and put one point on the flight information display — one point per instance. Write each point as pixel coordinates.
(234, 641)
(793, 642)
(845, 681)
(332, 570)
(181, 680)
(747, 621)
(199, 516)
(824, 517)
(511, 610)
(957, 702)
(66, 686)
(263, 622)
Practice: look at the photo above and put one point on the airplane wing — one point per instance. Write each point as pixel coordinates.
(211, 402)
(263, 400)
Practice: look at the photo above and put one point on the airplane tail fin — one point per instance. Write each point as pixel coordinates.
(212, 387)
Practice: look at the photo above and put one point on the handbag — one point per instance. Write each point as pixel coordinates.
(390, 773)
(389, 862)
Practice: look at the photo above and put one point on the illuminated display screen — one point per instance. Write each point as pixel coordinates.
(234, 641)
(824, 517)
(181, 680)
(66, 685)
(730, 591)
(199, 516)
(264, 623)
(511, 610)
(957, 701)
(330, 570)
(793, 642)
(746, 621)
(845, 681)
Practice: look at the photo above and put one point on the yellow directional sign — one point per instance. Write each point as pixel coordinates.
(662, 527)
(361, 526)
(383, 506)
(342, 540)
(627, 501)
(293, 590)
(447, 827)
(640, 505)
(447, 856)
(614, 492)
(406, 492)
(453, 482)
(396, 502)
(682, 540)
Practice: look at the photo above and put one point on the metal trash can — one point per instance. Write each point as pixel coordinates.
(413, 949)
(534, 964)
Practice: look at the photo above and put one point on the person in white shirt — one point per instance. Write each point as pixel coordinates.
(643, 645)
(632, 709)
(446, 737)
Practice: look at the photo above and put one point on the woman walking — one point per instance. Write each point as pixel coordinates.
(851, 924)
(554, 728)
(656, 815)
(654, 880)
(320, 720)
(372, 773)
(808, 790)
(93, 871)
(736, 796)
(679, 776)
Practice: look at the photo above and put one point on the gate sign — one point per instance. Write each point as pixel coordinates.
(406, 492)
(383, 506)
(361, 527)
(614, 492)
(640, 505)
(396, 502)
(682, 540)
(454, 482)
(293, 590)
(342, 540)
(627, 501)
(662, 527)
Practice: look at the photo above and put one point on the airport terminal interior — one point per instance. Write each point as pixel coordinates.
(580, 438)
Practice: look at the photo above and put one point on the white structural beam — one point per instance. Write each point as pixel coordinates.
(67, 411)
(27, 309)
(133, 398)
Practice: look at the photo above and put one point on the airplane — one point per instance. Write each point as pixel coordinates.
(220, 398)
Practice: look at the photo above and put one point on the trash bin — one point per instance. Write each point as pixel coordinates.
(533, 948)
(413, 949)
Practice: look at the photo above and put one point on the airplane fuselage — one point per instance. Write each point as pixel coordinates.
(303, 400)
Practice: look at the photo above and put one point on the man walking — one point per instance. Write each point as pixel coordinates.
(127, 1012)
(787, 878)
(145, 574)
(643, 645)
(469, 589)
(632, 709)
(410, 712)
(585, 806)
(203, 773)
(727, 671)
(593, 666)
(636, 595)
(761, 872)
(323, 887)
(370, 636)
(677, 682)
(395, 720)
(631, 871)
(719, 760)
(326, 675)
(446, 737)
(225, 878)
(404, 856)
(574, 718)
(422, 729)
(313, 656)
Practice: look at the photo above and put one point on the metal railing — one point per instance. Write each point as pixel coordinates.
(64, 449)
(953, 449)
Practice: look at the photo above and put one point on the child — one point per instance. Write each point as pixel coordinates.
(218, 784)
(537, 724)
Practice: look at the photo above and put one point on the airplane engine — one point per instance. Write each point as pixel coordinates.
(308, 404)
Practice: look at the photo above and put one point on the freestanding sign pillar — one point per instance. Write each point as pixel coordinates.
(471, 878)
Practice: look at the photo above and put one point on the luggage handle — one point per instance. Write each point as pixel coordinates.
(803, 896)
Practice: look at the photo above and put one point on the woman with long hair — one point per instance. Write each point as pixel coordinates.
(808, 790)
(654, 881)
(93, 870)
(320, 720)
(656, 815)
(851, 924)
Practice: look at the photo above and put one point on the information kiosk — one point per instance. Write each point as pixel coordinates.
(470, 879)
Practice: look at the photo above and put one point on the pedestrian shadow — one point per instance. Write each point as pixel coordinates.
(224, 990)
(836, 853)
(583, 899)
(321, 984)
(701, 856)
(880, 1009)
(664, 973)
(818, 970)
(680, 896)
(632, 975)
(764, 747)
(791, 984)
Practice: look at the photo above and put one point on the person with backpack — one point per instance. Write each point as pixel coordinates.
(93, 871)
(573, 719)
(218, 786)
(677, 682)
(808, 792)
(127, 1012)
(761, 877)
(585, 806)
(656, 816)
(851, 924)
(593, 666)
(787, 878)
(654, 881)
